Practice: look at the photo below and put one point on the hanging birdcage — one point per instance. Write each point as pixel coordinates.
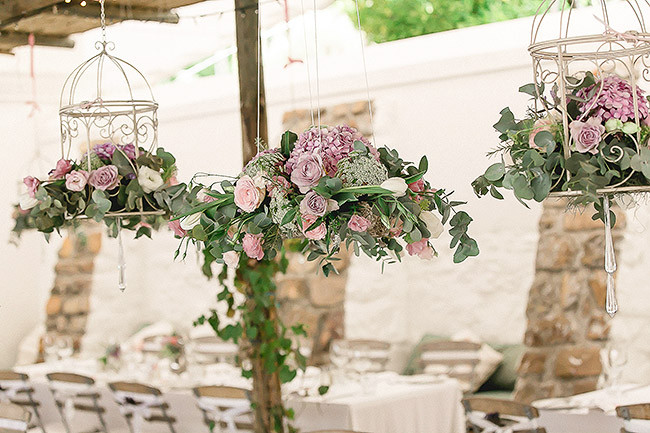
(591, 69)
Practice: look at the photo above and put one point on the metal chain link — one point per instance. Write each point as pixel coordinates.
(102, 18)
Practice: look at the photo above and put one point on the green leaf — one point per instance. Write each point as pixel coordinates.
(545, 141)
(323, 389)
(495, 172)
(507, 121)
(530, 89)
(289, 216)
(286, 374)
(541, 186)
(288, 142)
(167, 158)
(123, 164)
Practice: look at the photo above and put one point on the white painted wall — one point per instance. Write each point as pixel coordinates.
(436, 95)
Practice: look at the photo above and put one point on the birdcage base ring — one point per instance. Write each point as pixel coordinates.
(104, 108)
(122, 214)
(582, 47)
(604, 191)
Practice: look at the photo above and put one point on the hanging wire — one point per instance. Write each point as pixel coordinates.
(304, 30)
(317, 72)
(259, 67)
(365, 71)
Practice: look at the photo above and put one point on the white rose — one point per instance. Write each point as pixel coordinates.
(150, 180)
(203, 196)
(433, 223)
(190, 221)
(231, 259)
(396, 185)
(27, 202)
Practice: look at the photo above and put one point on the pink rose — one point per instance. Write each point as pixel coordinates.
(231, 258)
(316, 204)
(175, 226)
(359, 223)
(397, 228)
(76, 180)
(63, 166)
(420, 249)
(253, 246)
(248, 196)
(587, 135)
(32, 185)
(315, 234)
(417, 186)
(543, 124)
(104, 178)
(307, 172)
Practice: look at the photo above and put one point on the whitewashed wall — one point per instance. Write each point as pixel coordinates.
(438, 95)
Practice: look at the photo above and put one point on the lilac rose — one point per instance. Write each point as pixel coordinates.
(587, 135)
(316, 204)
(307, 172)
(104, 178)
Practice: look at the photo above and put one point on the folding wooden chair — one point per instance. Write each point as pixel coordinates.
(74, 392)
(141, 403)
(636, 418)
(227, 407)
(456, 359)
(13, 418)
(15, 388)
(208, 350)
(500, 416)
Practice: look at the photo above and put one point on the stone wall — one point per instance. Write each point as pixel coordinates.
(304, 293)
(69, 303)
(567, 323)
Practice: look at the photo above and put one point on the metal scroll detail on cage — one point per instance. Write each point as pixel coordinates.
(563, 56)
(106, 99)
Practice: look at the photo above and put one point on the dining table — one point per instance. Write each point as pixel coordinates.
(382, 402)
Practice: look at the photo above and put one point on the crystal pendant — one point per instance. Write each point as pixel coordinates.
(121, 263)
(611, 305)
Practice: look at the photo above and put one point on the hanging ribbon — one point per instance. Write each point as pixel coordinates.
(611, 305)
(290, 60)
(121, 262)
(235, 407)
(138, 406)
(32, 41)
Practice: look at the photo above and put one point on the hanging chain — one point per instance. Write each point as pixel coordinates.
(365, 72)
(259, 67)
(102, 20)
(320, 131)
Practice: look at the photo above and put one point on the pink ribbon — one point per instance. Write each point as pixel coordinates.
(31, 40)
(630, 36)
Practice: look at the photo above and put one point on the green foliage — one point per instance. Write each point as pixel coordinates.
(388, 20)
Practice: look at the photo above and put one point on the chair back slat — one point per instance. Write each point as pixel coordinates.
(434, 346)
(12, 375)
(13, 418)
(134, 388)
(635, 411)
(220, 392)
(502, 407)
(70, 378)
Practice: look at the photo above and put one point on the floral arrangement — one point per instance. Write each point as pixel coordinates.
(112, 356)
(172, 347)
(109, 179)
(607, 135)
(328, 187)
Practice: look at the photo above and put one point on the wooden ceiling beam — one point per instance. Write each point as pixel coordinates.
(20, 38)
(119, 12)
(15, 10)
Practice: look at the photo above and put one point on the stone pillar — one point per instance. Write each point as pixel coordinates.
(567, 322)
(68, 306)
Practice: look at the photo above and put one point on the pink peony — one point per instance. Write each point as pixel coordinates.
(417, 186)
(76, 180)
(175, 226)
(543, 124)
(32, 185)
(104, 178)
(252, 245)
(612, 98)
(358, 223)
(231, 258)
(248, 196)
(420, 249)
(587, 135)
(315, 234)
(307, 172)
(63, 166)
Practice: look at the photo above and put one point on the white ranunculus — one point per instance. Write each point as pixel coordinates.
(150, 180)
(190, 221)
(433, 223)
(27, 202)
(396, 185)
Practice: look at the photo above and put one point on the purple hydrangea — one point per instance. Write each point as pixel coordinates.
(104, 150)
(331, 144)
(613, 101)
(129, 150)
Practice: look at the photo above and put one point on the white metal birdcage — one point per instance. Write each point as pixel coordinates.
(570, 46)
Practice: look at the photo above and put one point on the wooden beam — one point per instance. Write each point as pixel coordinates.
(119, 12)
(7, 52)
(20, 38)
(14, 10)
(247, 40)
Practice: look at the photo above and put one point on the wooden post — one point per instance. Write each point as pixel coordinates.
(247, 40)
(267, 394)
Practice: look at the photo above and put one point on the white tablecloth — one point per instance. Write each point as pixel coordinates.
(591, 412)
(393, 407)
